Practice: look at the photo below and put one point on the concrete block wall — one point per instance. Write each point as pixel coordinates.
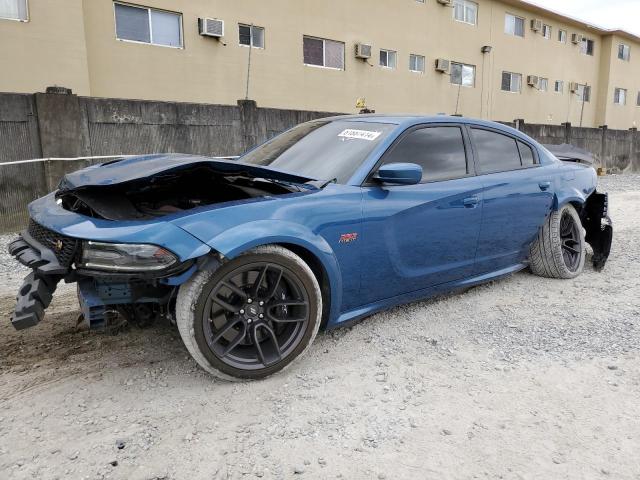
(64, 125)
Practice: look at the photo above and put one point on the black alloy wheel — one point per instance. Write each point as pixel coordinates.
(256, 315)
(571, 244)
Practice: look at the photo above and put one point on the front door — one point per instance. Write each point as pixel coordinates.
(417, 236)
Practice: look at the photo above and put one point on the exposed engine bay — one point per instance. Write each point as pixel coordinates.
(168, 193)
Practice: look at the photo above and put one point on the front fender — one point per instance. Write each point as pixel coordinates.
(239, 239)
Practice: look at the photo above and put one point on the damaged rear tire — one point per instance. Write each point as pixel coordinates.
(559, 249)
(251, 317)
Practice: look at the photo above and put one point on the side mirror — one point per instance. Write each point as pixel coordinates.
(399, 174)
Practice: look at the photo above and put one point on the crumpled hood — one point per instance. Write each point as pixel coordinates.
(134, 168)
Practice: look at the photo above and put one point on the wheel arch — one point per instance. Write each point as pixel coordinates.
(576, 200)
(312, 248)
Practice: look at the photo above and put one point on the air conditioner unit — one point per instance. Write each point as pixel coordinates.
(363, 51)
(573, 87)
(442, 65)
(536, 25)
(445, 2)
(533, 81)
(211, 27)
(576, 38)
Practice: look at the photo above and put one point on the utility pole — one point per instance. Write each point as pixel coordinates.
(246, 94)
(458, 97)
(584, 93)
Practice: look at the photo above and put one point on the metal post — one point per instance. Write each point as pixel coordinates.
(246, 94)
(584, 93)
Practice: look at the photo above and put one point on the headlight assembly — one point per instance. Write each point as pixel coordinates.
(125, 257)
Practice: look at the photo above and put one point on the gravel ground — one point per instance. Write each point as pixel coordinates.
(522, 378)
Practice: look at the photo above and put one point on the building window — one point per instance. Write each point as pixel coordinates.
(148, 25)
(14, 10)
(559, 86)
(511, 82)
(546, 31)
(620, 96)
(462, 74)
(465, 11)
(587, 46)
(323, 53)
(388, 58)
(638, 101)
(514, 25)
(624, 52)
(544, 84)
(584, 93)
(416, 63)
(251, 35)
(562, 36)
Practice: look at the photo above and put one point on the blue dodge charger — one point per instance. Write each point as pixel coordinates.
(322, 225)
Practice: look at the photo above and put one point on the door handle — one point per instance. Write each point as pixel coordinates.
(470, 202)
(544, 186)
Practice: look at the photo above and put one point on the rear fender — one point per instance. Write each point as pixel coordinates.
(239, 239)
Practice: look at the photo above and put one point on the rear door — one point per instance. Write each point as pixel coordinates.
(417, 236)
(517, 198)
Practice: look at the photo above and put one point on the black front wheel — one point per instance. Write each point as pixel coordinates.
(252, 316)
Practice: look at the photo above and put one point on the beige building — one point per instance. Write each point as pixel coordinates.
(494, 59)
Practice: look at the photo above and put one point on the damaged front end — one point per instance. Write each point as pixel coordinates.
(135, 280)
(598, 227)
(108, 228)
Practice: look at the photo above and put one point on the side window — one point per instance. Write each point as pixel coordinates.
(438, 150)
(526, 155)
(496, 152)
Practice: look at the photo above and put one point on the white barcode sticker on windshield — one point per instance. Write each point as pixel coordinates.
(360, 134)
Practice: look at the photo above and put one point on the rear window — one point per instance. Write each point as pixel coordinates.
(496, 152)
(526, 155)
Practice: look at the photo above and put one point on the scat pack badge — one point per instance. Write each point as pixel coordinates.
(348, 237)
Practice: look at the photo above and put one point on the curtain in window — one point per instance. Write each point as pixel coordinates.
(458, 11)
(132, 23)
(14, 9)
(257, 35)
(516, 82)
(468, 76)
(166, 28)
(509, 24)
(456, 73)
(519, 27)
(470, 14)
(334, 54)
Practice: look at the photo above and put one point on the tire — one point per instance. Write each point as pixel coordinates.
(225, 344)
(559, 249)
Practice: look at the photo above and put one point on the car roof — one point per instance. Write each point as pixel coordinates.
(409, 120)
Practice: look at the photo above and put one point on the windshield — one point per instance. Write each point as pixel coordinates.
(322, 150)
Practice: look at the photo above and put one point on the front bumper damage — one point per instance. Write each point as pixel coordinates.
(102, 295)
(36, 292)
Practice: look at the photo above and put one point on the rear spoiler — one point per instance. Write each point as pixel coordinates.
(570, 153)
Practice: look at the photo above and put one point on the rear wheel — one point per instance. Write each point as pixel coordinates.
(251, 317)
(559, 249)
